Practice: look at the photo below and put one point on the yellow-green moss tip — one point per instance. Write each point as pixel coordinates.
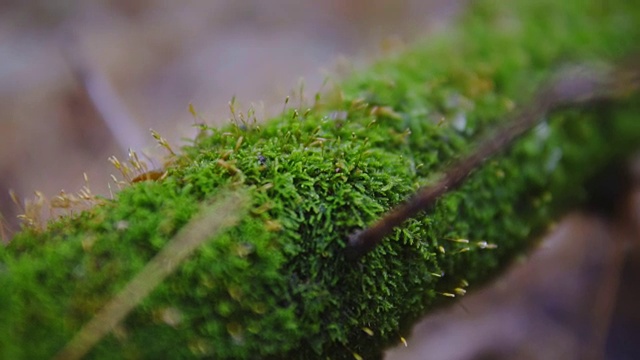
(277, 285)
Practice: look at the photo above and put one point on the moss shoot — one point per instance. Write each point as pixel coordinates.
(278, 285)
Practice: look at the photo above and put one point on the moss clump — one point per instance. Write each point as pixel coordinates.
(277, 285)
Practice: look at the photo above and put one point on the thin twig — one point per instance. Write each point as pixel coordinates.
(575, 86)
(214, 219)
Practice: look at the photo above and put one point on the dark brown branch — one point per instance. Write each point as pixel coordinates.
(570, 87)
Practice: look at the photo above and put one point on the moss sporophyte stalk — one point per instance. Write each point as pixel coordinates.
(275, 281)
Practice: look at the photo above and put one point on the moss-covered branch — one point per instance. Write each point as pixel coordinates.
(278, 285)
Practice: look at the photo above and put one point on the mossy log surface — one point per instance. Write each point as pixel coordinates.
(278, 285)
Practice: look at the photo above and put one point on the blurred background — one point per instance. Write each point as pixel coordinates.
(83, 80)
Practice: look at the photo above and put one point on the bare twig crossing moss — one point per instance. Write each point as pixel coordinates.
(225, 212)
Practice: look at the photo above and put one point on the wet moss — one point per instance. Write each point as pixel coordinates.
(277, 285)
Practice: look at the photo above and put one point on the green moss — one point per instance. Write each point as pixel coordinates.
(278, 285)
